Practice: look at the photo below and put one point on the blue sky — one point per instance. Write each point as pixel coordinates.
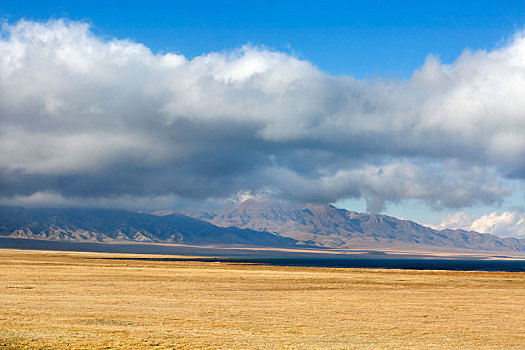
(422, 146)
(359, 38)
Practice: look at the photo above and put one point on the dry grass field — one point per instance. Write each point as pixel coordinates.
(62, 300)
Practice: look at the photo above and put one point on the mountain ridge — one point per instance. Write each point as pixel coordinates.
(328, 226)
(116, 225)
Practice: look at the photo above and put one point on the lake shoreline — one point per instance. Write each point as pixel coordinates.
(455, 260)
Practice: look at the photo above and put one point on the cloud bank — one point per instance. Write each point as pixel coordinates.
(506, 224)
(87, 119)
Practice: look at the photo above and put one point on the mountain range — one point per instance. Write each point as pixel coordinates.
(107, 225)
(328, 226)
(256, 221)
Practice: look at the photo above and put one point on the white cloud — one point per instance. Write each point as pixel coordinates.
(459, 220)
(505, 224)
(83, 117)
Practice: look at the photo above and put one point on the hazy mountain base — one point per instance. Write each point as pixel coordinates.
(241, 251)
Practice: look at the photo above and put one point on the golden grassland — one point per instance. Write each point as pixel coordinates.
(66, 300)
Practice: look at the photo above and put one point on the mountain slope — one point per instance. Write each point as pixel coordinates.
(105, 225)
(328, 226)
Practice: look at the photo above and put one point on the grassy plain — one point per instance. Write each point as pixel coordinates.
(66, 300)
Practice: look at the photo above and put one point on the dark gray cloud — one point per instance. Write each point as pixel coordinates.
(95, 121)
